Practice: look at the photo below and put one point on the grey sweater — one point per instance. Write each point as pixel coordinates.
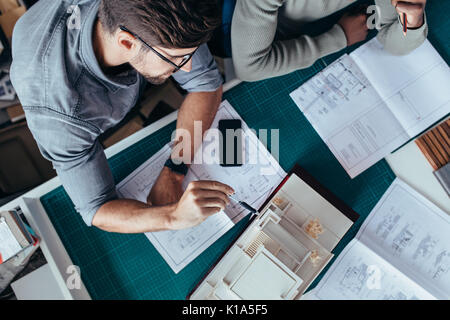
(257, 54)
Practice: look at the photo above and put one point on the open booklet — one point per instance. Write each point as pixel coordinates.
(402, 251)
(368, 103)
(253, 182)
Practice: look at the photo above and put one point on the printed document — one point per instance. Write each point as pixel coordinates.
(402, 251)
(253, 182)
(368, 103)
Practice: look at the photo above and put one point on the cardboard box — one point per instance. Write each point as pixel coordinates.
(15, 113)
(132, 126)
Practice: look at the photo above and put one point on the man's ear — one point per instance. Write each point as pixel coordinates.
(127, 43)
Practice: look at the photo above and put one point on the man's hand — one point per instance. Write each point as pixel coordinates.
(355, 27)
(167, 188)
(414, 10)
(200, 200)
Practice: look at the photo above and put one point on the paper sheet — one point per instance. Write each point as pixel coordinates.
(369, 103)
(415, 87)
(9, 246)
(139, 183)
(413, 235)
(253, 183)
(402, 251)
(359, 274)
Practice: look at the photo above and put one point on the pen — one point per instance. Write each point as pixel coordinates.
(405, 24)
(245, 205)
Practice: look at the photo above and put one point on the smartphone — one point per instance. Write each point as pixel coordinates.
(231, 143)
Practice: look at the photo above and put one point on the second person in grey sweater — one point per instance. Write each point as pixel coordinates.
(267, 39)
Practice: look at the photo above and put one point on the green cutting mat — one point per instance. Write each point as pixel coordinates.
(115, 266)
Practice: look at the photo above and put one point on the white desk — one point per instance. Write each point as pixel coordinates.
(38, 285)
(408, 163)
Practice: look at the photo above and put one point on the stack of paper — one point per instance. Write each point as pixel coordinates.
(14, 236)
(402, 251)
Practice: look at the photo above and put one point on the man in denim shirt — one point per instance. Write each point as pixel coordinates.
(79, 67)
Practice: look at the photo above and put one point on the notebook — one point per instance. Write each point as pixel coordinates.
(401, 252)
(14, 235)
(368, 103)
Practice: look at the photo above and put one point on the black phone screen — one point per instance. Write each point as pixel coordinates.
(231, 143)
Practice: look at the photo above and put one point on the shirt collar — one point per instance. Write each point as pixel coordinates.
(90, 60)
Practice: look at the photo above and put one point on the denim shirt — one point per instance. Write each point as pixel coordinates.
(69, 101)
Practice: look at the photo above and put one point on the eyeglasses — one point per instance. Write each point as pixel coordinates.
(184, 59)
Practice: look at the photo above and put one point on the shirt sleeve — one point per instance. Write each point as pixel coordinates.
(204, 76)
(391, 32)
(256, 53)
(77, 157)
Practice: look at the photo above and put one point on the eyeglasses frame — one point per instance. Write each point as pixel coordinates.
(188, 57)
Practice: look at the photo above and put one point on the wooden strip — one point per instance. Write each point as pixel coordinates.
(444, 135)
(439, 146)
(441, 162)
(446, 127)
(435, 145)
(427, 153)
(442, 140)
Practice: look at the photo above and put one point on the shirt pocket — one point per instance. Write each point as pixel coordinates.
(103, 107)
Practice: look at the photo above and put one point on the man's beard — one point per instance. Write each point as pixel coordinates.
(156, 80)
(137, 65)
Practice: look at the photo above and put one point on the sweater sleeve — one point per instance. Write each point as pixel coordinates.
(391, 33)
(257, 56)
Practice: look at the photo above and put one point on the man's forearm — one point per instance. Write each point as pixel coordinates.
(198, 106)
(131, 216)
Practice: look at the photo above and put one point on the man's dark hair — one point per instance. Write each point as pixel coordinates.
(173, 24)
